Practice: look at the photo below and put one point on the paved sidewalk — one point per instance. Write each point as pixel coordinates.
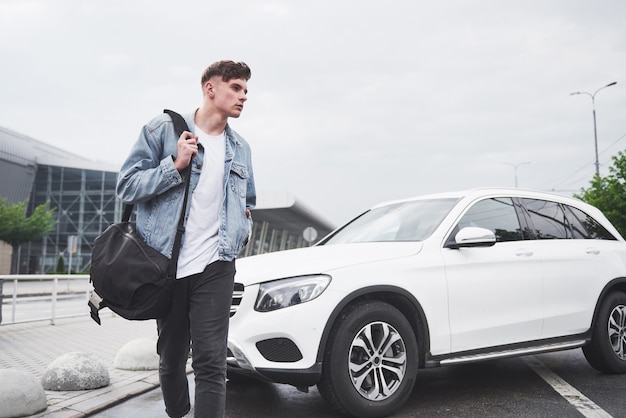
(31, 347)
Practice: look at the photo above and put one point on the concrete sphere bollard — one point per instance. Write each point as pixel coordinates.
(138, 354)
(75, 371)
(20, 394)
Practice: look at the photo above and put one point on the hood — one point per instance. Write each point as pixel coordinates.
(316, 260)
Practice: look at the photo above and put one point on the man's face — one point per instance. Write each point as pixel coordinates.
(229, 96)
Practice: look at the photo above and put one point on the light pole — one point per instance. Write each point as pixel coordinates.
(515, 168)
(595, 131)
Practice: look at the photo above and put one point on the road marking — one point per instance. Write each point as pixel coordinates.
(583, 404)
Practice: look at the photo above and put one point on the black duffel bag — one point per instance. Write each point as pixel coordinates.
(129, 277)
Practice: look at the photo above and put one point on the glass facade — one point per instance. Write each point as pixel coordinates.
(267, 238)
(85, 205)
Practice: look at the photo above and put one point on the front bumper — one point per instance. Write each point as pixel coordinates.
(239, 364)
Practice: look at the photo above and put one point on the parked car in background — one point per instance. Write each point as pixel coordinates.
(431, 281)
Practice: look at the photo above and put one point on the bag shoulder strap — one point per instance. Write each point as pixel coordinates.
(128, 210)
(180, 125)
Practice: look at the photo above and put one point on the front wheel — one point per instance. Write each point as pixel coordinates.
(370, 362)
(607, 350)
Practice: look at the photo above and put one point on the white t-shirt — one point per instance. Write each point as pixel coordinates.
(200, 241)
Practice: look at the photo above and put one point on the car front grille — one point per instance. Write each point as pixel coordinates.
(237, 296)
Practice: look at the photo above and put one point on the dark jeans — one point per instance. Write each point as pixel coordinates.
(200, 313)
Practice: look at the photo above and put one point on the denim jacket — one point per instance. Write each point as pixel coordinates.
(149, 180)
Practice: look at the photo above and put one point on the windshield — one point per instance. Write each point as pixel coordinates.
(405, 221)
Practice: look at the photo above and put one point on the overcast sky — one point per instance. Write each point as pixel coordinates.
(350, 103)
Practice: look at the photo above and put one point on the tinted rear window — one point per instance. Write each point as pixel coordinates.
(552, 220)
(584, 226)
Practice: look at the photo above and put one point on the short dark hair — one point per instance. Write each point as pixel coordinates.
(227, 70)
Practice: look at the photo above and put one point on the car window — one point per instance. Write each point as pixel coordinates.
(584, 226)
(579, 231)
(496, 214)
(403, 221)
(547, 219)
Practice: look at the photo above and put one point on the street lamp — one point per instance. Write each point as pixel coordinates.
(595, 132)
(515, 168)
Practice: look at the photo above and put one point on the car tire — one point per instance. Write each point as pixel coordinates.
(360, 382)
(607, 350)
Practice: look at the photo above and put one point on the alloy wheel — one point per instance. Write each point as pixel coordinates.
(377, 361)
(617, 331)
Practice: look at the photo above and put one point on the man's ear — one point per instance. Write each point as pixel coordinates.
(209, 89)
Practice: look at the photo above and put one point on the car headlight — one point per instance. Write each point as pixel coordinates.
(282, 293)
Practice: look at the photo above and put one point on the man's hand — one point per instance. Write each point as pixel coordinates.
(187, 150)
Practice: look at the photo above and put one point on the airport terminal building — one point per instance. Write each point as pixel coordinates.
(83, 193)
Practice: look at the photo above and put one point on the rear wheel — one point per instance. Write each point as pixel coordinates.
(370, 362)
(607, 350)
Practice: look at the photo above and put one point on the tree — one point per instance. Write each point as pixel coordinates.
(16, 228)
(609, 193)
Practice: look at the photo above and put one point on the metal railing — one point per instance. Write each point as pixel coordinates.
(21, 291)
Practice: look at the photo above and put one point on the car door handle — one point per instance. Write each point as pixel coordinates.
(523, 252)
(592, 251)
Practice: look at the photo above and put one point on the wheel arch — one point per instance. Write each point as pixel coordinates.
(400, 298)
(618, 284)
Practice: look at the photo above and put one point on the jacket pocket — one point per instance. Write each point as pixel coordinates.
(238, 179)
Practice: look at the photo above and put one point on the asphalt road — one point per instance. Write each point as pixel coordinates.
(547, 385)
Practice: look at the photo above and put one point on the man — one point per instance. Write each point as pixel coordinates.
(218, 224)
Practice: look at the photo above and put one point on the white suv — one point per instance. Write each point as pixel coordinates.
(427, 282)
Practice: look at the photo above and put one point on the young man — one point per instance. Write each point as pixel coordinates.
(218, 223)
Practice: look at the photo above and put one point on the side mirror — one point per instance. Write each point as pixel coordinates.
(471, 236)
